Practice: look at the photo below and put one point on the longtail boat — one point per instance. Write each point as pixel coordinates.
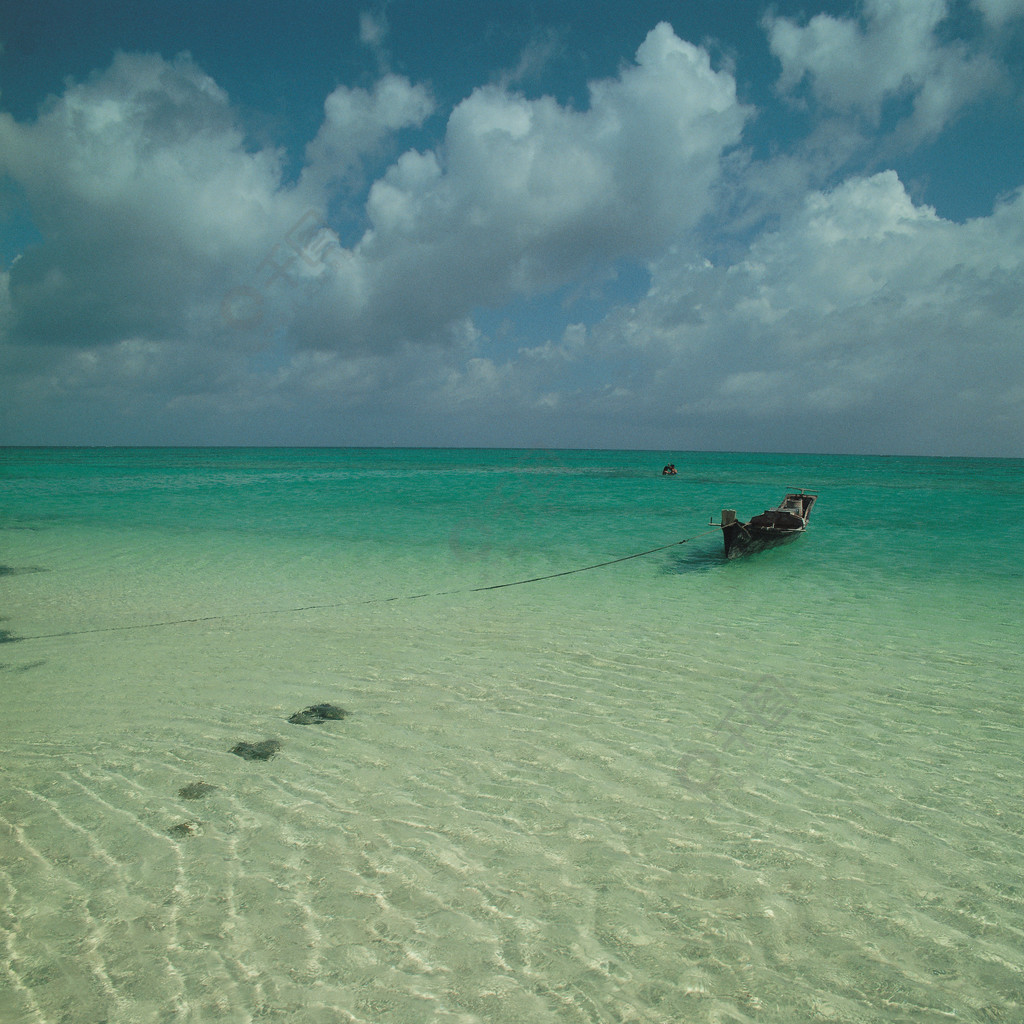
(772, 527)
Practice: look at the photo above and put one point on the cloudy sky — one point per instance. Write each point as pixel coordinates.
(690, 224)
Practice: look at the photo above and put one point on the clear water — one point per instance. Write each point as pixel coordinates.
(673, 788)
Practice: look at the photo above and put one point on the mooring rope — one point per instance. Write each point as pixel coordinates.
(372, 600)
(586, 568)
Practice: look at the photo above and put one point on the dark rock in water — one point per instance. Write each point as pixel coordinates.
(318, 713)
(262, 751)
(185, 829)
(6, 637)
(195, 790)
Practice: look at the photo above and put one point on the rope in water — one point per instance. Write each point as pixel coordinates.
(374, 600)
(599, 565)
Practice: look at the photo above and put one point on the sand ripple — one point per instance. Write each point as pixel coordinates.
(557, 831)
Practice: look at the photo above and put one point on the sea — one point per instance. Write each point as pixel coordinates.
(588, 770)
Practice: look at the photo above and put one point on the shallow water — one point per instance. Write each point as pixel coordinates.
(673, 788)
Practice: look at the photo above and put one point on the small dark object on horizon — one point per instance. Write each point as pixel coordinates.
(317, 714)
(195, 790)
(262, 751)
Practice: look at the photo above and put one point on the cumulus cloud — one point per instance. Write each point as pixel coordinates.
(862, 305)
(999, 12)
(158, 220)
(153, 209)
(356, 124)
(188, 288)
(523, 195)
(894, 54)
(147, 200)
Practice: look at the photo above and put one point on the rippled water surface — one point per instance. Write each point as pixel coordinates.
(672, 788)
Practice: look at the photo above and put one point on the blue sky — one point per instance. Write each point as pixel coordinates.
(724, 225)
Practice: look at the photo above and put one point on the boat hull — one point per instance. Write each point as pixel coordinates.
(743, 539)
(771, 528)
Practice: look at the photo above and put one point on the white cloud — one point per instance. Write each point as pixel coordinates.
(999, 12)
(892, 54)
(357, 123)
(149, 204)
(860, 303)
(186, 290)
(523, 195)
(373, 28)
(535, 57)
(157, 218)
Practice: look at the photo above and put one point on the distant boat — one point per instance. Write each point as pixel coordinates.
(772, 527)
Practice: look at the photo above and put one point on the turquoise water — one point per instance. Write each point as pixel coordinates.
(672, 788)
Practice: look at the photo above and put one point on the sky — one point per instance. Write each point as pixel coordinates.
(668, 225)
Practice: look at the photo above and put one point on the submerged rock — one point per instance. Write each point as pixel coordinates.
(318, 713)
(185, 829)
(262, 751)
(195, 790)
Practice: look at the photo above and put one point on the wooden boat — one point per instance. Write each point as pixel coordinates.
(772, 527)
